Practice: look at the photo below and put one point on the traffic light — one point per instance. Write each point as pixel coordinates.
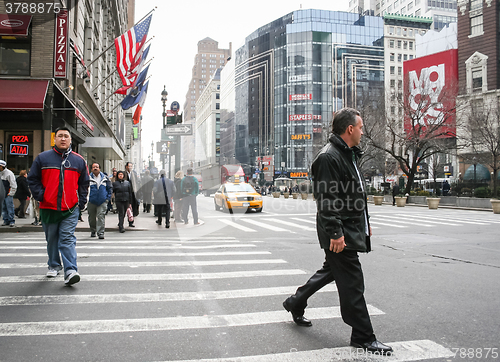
(178, 118)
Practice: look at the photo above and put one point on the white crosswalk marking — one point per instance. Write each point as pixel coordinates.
(139, 247)
(264, 225)
(162, 324)
(399, 220)
(373, 222)
(237, 226)
(294, 225)
(86, 255)
(304, 220)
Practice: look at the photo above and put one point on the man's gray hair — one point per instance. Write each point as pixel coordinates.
(344, 118)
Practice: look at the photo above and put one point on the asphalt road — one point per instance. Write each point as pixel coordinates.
(214, 291)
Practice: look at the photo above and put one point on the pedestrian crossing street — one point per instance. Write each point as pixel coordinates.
(378, 220)
(203, 269)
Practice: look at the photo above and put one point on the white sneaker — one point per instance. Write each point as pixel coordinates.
(72, 278)
(52, 273)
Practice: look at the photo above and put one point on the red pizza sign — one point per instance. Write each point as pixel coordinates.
(61, 45)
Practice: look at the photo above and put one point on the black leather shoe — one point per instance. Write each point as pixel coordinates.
(167, 226)
(300, 320)
(374, 347)
(131, 225)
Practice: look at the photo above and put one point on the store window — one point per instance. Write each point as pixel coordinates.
(15, 55)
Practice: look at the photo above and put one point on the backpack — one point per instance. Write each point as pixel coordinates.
(188, 185)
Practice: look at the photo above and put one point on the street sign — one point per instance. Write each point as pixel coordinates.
(171, 113)
(175, 106)
(166, 137)
(162, 147)
(179, 129)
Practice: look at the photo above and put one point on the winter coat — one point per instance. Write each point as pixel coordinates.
(9, 182)
(100, 193)
(59, 180)
(177, 193)
(23, 190)
(122, 190)
(196, 189)
(159, 194)
(340, 196)
(147, 189)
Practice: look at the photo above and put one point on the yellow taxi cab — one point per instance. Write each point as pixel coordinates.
(237, 196)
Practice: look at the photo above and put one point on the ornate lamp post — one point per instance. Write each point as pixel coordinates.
(164, 95)
(474, 161)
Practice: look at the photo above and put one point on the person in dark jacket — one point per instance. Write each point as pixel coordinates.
(59, 179)
(343, 231)
(190, 188)
(147, 191)
(178, 196)
(163, 190)
(22, 194)
(100, 194)
(123, 196)
(395, 192)
(132, 177)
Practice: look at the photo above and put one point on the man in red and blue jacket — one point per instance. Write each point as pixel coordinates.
(59, 179)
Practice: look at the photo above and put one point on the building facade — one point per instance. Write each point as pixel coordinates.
(441, 12)
(44, 82)
(290, 76)
(208, 59)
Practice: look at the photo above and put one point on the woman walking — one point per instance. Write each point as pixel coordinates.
(123, 196)
(163, 190)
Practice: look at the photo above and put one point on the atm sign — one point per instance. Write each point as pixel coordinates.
(20, 150)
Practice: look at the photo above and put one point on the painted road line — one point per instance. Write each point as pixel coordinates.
(397, 219)
(265, 226)
(443, 220)
(237, 226)
(163, 324)
(111, 240)
(304, 220)
(403, 351)
(157, 277)
(295, 225)
(141, 247)
(384, 224)
(147, 264)
(87, 255)
(152, 297)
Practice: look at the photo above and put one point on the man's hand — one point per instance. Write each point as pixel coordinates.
(337, 245)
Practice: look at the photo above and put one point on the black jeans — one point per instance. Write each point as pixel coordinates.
(122, 207)
(345, 269)
(21, 208)
(163, 208)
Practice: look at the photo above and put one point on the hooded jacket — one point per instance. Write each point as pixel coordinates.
(59, 180)
(340, 196)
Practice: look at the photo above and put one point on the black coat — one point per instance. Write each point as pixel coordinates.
(23, 190)
(177, 193)
(340, 197)
(122, 190)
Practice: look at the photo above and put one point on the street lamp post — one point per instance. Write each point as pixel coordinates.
(474, 160)
(164, 95)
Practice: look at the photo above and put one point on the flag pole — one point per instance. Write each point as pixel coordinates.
(113, 43)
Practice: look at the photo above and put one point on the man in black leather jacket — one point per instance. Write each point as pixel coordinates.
(343, 231)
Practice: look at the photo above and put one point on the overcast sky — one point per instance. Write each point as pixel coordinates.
(177, 26)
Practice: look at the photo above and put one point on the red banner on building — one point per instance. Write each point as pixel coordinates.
(84, 119)
(431, 89)
(61, 45)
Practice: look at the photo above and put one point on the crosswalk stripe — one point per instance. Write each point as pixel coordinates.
(384, 224)
(237, 226)
(141, 247)
(146, 264)
(288, 223)
(448, 219)
(264, 225)
(152, 297)
(86, 255)
(163, 324)
(403, 351)
(109, 241)
(397, 219)
(149, 277)
(304, 220)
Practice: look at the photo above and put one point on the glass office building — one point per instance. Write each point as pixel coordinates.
(290, 76)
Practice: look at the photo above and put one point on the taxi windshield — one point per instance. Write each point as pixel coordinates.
(239, 188)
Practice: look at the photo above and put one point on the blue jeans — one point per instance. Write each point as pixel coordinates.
(8, 210)
(61, 238)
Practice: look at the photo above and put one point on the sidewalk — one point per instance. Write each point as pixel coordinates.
(143, 222)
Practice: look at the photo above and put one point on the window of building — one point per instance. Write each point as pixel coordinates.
(410, 5)
(405, 56)
(15, 55)
(398, 31)
(217, 105)
(203, 55)
(399, 44)
(405, 31)
(392, 57)
(405, 45)
(410, 32)
(391, 30)
(393, 83)
(399, 58)
(391, 43)
(417, 2)
(400, 70)
(411, 56)
(476, 25)
(476, 73)
(418, 12)
(410, 45)
(477, 79)
(393, 69)
(389, 9)
(393, 110)
(396, 4)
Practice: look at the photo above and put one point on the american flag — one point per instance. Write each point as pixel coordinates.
(128, 46)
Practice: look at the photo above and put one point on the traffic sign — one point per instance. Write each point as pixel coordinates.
(179, 129)
(175, 106)
(162, 147)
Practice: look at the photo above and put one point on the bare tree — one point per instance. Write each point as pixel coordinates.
(480, 133)
(420, 124)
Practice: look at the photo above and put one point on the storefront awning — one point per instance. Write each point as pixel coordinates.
(105, 148)
(22, 95)
(14, 25)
